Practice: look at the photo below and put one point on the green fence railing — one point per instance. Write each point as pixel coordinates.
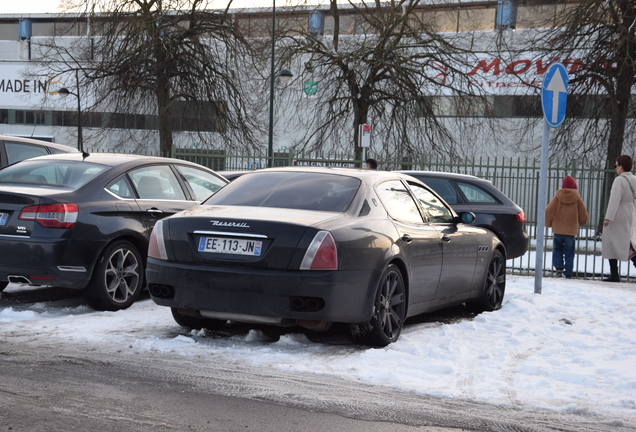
(518, 178)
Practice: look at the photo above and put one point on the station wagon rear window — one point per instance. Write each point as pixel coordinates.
(70, 174)
(306, 191)
(476, 195)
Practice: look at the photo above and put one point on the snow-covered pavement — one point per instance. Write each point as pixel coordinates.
(570, 349)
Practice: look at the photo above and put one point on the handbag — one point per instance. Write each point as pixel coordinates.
(631, 187)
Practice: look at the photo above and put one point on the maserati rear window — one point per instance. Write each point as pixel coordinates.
(294, 190)
(51, 173)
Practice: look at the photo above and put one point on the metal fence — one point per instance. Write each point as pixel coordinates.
(518, 178)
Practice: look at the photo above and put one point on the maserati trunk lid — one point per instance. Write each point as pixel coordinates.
(242, 236)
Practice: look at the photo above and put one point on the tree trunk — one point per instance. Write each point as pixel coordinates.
(165, 120)
(336, 23)
(618, 119)
(164, 100)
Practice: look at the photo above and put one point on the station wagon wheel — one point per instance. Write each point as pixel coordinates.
(389, 309)
(195, 322)
(494, 286)
(117, 278)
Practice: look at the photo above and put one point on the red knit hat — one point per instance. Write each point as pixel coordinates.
(569, 183)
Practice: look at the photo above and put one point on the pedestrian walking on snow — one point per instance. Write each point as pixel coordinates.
(371, 164)
(619, 232)
(565, 213)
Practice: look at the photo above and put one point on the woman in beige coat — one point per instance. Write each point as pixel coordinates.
(619, 232)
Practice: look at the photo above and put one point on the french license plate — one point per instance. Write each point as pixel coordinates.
(230, 246)
(3, 218)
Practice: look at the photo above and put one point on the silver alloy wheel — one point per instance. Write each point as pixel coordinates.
(121, 277)
(389, 311)
(495, 283)
(391, 305)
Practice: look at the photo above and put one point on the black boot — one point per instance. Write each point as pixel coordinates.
(634, 260)
(613, 272)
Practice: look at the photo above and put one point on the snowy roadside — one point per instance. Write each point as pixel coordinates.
(571, 349)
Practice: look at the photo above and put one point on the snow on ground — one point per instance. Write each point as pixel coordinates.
(570, 349)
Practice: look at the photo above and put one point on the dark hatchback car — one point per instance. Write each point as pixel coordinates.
(15, 149)
(492, 208)
(83, 221)
(314, 246)
(233, 175)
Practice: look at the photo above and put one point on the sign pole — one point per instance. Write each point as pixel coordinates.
(364, 136)
(543, 186)
(553, 101)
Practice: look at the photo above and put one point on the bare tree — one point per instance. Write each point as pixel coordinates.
(384, 74)
(596, 40)
(171, 58)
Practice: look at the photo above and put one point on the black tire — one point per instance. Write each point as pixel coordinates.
(3, 285)
(195, 322)
(118, 278)
(494, 286)
(389, 308)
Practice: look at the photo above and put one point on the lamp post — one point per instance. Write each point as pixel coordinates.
(64, 92)
(284, 75)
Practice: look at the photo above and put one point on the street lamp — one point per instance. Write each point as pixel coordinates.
(284, 75)
(64, 92)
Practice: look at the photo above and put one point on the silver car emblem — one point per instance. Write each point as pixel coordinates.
(230, 224)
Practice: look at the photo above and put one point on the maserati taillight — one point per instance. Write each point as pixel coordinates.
(52, 215)
(521, 217)
(157, 247)
(321, 253)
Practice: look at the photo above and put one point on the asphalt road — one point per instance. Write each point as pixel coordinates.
(45, 391)
(58, 386)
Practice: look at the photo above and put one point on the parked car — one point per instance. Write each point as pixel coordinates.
(493, 209)
(83, 221)
(233, 175)
(313, 246)
(15, 149)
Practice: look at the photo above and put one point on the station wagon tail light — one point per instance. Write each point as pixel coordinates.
(521, 217)
(156, 246)
(321, 253)
(52, 215)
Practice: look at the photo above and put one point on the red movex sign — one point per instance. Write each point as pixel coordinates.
(500, 76)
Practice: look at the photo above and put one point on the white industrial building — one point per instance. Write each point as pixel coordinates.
(30, 106)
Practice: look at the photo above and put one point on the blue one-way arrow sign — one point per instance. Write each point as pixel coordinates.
(553, 98)
(554, 94)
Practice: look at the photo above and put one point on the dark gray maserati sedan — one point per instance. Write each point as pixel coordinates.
(314, 246)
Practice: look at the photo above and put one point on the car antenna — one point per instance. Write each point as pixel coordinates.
(85, 154)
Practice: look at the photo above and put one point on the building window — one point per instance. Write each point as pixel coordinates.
(454, 106)
(40, 28)
(200, 116)
(40, 117)
(477, 19)
(9, 31)
(441, 21)
(535, 16)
